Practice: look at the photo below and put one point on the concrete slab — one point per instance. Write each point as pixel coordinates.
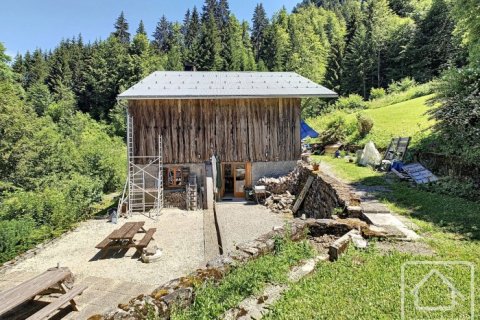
(389, 220)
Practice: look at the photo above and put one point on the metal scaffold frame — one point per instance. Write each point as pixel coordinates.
(145, 190)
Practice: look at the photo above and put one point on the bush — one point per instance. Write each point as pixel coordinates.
(376, 93)
(15, 237)
(393, 98)
(352, 102)
(401, 85)
(338, 129)
(464, 188)
(364, 124)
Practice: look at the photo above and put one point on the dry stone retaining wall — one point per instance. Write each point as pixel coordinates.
(324, 197)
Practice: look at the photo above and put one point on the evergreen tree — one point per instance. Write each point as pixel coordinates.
(192, 39)
(222, 14)
(186, 22)
(357, 64)
(433, 47)
(210, 46)
(36, 67)
(162, 35)
(121, 29)
(336, 31)
(233, 52)
(141, 28)
(278, 38)
(378, 23)
(260, 24)
(209, 7)
(248, 59)
(174, 56)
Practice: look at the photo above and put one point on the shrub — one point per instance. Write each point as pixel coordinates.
(352, 102)
(338, 129)
(401, 85)
(376, 93)
(14, 237)
(364, 124)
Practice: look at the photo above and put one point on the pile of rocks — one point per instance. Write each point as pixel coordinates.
(281, 203)
(279, 185)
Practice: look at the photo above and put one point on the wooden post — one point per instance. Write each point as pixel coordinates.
(302, 195)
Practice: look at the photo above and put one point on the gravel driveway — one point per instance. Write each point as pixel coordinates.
(240, 222)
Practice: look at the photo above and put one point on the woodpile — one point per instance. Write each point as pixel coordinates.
(176, 200)
(280, 185)
(281, 203)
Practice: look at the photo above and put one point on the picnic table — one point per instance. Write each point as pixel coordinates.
(28, 290)
(123, 238)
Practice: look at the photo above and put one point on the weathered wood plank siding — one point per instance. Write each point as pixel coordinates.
(238, 130)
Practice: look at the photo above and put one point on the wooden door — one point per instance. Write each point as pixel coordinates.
(239, 179)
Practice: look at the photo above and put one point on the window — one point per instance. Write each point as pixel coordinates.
(175, 176)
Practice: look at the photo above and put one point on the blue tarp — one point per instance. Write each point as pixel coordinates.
(306, 131)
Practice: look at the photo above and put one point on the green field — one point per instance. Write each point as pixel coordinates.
(405, 119)
(366, 284)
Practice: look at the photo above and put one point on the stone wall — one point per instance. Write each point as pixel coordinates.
(326, 196)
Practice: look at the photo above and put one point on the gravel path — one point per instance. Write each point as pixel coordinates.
(118, 278)
(179, 234)
(240, 222)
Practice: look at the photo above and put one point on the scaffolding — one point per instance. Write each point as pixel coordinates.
(145, 179)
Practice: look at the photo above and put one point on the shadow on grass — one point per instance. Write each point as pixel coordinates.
(449, 213)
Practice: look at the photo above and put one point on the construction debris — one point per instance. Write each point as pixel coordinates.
(280, 203)
(419, 173)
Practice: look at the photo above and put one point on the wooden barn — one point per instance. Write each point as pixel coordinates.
(249, 122)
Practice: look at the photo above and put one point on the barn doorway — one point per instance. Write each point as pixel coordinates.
(236, 177)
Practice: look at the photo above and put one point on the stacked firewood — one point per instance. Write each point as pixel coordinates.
(280, 203)
(176, 200)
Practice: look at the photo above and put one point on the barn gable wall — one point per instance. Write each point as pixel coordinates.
(238, 130)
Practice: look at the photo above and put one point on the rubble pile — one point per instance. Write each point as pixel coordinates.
(281, 203)
(279, 185)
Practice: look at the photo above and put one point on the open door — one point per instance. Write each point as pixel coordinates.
(236, 176)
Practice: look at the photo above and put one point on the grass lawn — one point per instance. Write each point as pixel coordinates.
(404, 119)
(367, 284)
(213, 299)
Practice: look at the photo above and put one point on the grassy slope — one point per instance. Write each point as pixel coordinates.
(402, 119)
(366, 285)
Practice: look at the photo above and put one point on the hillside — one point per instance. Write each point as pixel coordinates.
(406, 118)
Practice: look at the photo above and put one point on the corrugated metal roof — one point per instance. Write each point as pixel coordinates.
(216, 85)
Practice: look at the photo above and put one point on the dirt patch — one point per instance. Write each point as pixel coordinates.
(322, 243)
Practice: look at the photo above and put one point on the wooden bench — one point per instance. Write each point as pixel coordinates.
(145, 240)
(51, 308)
(28, 290)
(122, 238)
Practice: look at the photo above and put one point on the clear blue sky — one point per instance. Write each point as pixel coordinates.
(28, 24)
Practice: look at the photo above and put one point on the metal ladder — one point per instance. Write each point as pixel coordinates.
(159, 200)
(192, 194)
